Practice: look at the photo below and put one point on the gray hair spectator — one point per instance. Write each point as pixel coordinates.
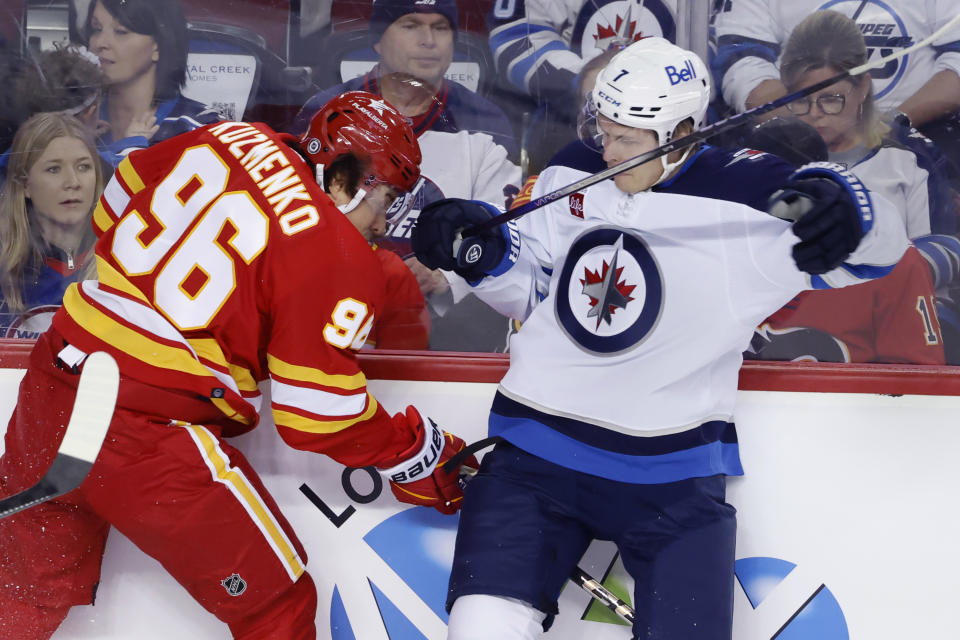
(922, 89)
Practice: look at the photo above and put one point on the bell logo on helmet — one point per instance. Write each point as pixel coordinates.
(676, 77)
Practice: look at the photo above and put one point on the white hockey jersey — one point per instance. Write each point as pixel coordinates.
(541, 45)
(752, 33)
(635, 310)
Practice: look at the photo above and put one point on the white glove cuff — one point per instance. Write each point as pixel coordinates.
(423, 463)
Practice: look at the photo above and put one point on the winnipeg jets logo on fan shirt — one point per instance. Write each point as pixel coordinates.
(884, 33)
(602, 24)
(610, 291)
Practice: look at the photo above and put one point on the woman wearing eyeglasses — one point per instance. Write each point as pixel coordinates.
(898, 163)
(893, 162)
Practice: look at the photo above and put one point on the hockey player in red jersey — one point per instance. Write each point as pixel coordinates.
(222, 263)
(403, 321)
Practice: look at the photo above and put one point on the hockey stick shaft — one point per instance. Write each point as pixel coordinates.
(699, 136)
(89, 420)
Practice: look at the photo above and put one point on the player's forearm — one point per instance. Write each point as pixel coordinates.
(940, 96)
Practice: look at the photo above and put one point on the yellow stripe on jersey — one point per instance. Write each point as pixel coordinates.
(210, 350)
(310, 425)
(137, 345)
(130, 177)
(112, 278)
(235, 480)
(315, 376)
(101, 218)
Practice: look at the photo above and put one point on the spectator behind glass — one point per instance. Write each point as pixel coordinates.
(46, 239)
(467, 145)
(539, 46)
(924, 86)
(64, 79)
(404, 322)
(845, 116)
(142, 47)
(589, 157)
(889, 320)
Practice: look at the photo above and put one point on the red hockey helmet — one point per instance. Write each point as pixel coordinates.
(368, 126)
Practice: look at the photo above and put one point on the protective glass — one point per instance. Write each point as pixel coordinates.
(632, 141)
(587, 130)
(829, 103)
(393, 202)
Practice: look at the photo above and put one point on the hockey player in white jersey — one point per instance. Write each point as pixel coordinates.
(616, 415)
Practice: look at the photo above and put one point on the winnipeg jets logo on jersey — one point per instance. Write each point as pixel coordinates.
(610, 291)
(607, 293)
(602, 24)
(884, 32)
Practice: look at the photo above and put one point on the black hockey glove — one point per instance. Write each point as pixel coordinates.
(831, 211)
(438, 243)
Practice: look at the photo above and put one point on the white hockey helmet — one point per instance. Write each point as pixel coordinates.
(653, 84)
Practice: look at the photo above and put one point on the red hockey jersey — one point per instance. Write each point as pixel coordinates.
(221, 264)
(404, 322)
(890, 320)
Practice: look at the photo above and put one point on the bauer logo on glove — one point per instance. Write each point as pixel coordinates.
(420, 478)
(424, 462)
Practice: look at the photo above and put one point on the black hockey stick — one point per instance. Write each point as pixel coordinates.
(694, 138)
(89, 420)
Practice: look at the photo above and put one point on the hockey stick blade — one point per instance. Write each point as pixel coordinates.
(697, 136)
(89, 421)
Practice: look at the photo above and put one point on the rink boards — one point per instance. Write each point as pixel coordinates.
(847, 516)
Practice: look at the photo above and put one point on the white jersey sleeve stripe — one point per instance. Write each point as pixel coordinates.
(321, 403)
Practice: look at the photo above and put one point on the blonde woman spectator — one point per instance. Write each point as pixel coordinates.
(46, 238)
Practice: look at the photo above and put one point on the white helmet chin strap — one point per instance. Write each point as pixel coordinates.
(357, 199)
(668, 167)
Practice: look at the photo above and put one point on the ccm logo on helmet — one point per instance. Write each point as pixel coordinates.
(610, 99)
(683, 75)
